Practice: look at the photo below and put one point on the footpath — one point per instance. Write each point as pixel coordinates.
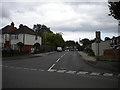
(108, 65)
(27, 56)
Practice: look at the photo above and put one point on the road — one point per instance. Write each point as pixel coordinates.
(58, 70)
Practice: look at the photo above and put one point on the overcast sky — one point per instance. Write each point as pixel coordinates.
(74, 19)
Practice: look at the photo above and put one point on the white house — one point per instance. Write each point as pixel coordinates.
(99, 48)
(23, 36)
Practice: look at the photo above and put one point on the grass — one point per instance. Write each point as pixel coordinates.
(108, 58)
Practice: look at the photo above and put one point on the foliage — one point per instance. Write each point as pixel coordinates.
(70, 43)
(53, 39)
(40, 29)
(114, 8)
(48, 37)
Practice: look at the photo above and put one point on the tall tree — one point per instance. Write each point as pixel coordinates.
(114, 8)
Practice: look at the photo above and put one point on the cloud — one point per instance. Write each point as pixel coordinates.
(64, 17)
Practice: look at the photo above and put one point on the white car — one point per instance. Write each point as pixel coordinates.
(59, 49)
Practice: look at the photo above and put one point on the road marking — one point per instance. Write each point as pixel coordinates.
(62, 56)
(71, 72)
(51, 67)
(18, 68)
(61, 71)
(26, 68)
(41, 70)
(107, 74)
(33, 69)
(82, 72)
(58, 59)
(52, 70)
(94, 73)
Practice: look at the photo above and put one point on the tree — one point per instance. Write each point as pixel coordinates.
(54, 39)
(85, 42)
(114, 8)
(40, 29)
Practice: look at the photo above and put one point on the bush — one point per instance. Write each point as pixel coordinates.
(91, 53)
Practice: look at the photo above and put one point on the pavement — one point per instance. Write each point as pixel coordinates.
(27, 56)
(109, 65)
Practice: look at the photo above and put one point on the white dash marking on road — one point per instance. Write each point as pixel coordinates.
(107, 74)
(58, 59)
(26, 68)
(94, 73)
(51, 67)
(41, 70)
(118, 75)
(61, 71)
(52, 70)
(71, 72)
(33, 69)
(82, 72)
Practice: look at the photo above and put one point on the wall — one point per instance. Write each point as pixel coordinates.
(15, 41)
(30, 39)
(102, 46)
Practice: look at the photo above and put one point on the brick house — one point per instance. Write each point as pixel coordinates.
(21, 39)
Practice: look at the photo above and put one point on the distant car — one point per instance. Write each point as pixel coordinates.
(59, 49)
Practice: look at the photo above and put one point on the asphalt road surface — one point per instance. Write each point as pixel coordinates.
(58, 70)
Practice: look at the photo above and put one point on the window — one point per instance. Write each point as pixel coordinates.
(36, 37)
(14, 36)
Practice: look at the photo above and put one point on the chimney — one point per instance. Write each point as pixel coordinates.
(12, 24)
(21, 25)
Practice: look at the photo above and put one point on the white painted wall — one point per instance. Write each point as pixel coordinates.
(102, 46)
(28, 39)
(15, 41)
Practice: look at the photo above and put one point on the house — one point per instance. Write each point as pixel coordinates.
(98, 48)
(21, 39)
(115, 42)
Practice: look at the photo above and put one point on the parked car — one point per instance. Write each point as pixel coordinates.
(59, 49)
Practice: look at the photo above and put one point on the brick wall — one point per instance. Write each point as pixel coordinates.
(27, 48)
(111, 52)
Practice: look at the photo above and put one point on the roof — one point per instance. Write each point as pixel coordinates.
(24, 29)
(7, 29)
(10, 29)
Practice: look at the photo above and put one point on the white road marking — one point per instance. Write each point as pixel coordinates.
(41, 70)
(71, 72)
(107, 74)
(26, 68)
(82, 72)
(62, 56)
(61, 71)
(51, 67)
(94, 73)
(33, 69)
(52, 70)
(58, 59)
